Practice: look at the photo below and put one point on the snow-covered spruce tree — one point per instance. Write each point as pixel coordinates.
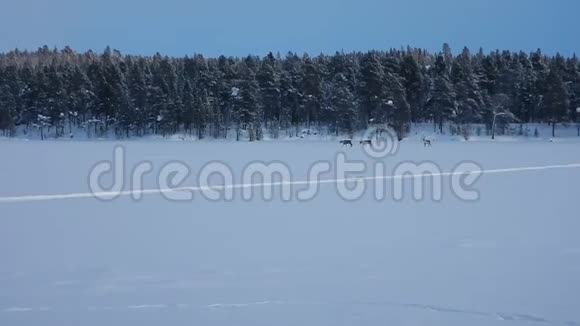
(27, 96)
(414, 85)
(527, 96)
(125, 115)
(247, 102)
(312, 90)
(201, 111)
(571, 78)
(56, 81)
(397, 107)
(108, 84)
(225, 75)
(556, 100)
(292, 93)
(167, 108)
(204, 92)
(12, 87)
(269, 80)
(139, 94)
(188, 107)
(540, 73)
(344, 105)
(468, 96)
(371, 86)
(441, 104)
(7, 110)
(80, 99)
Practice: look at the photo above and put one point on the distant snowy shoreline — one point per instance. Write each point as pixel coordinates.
(513, 132)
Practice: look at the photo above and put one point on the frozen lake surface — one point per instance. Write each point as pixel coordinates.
(512, 257)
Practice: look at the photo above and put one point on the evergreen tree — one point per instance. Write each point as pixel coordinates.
(371, 87)
(468, 98)
(441, 104)
(247, 96)
(399, 110)
(343, 104)
(292, 99)
(269, 80)
(540, 72)
(414, 85)
(7, 110)
(139, 91)
(556, 101)
(53, 90)
(312, 90)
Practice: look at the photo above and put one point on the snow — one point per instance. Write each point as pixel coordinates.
(564, 132)
(510, 257)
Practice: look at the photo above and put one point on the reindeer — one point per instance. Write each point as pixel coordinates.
(345, 142)
(426, 142)
(366, 142)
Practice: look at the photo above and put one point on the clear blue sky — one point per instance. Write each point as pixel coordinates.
(240, 27)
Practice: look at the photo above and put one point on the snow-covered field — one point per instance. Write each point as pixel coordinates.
(510, 258)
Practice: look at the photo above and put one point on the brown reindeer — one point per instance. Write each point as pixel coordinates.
(426, 142)
(345, 142)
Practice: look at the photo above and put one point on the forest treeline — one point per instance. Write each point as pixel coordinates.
(61, 90)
